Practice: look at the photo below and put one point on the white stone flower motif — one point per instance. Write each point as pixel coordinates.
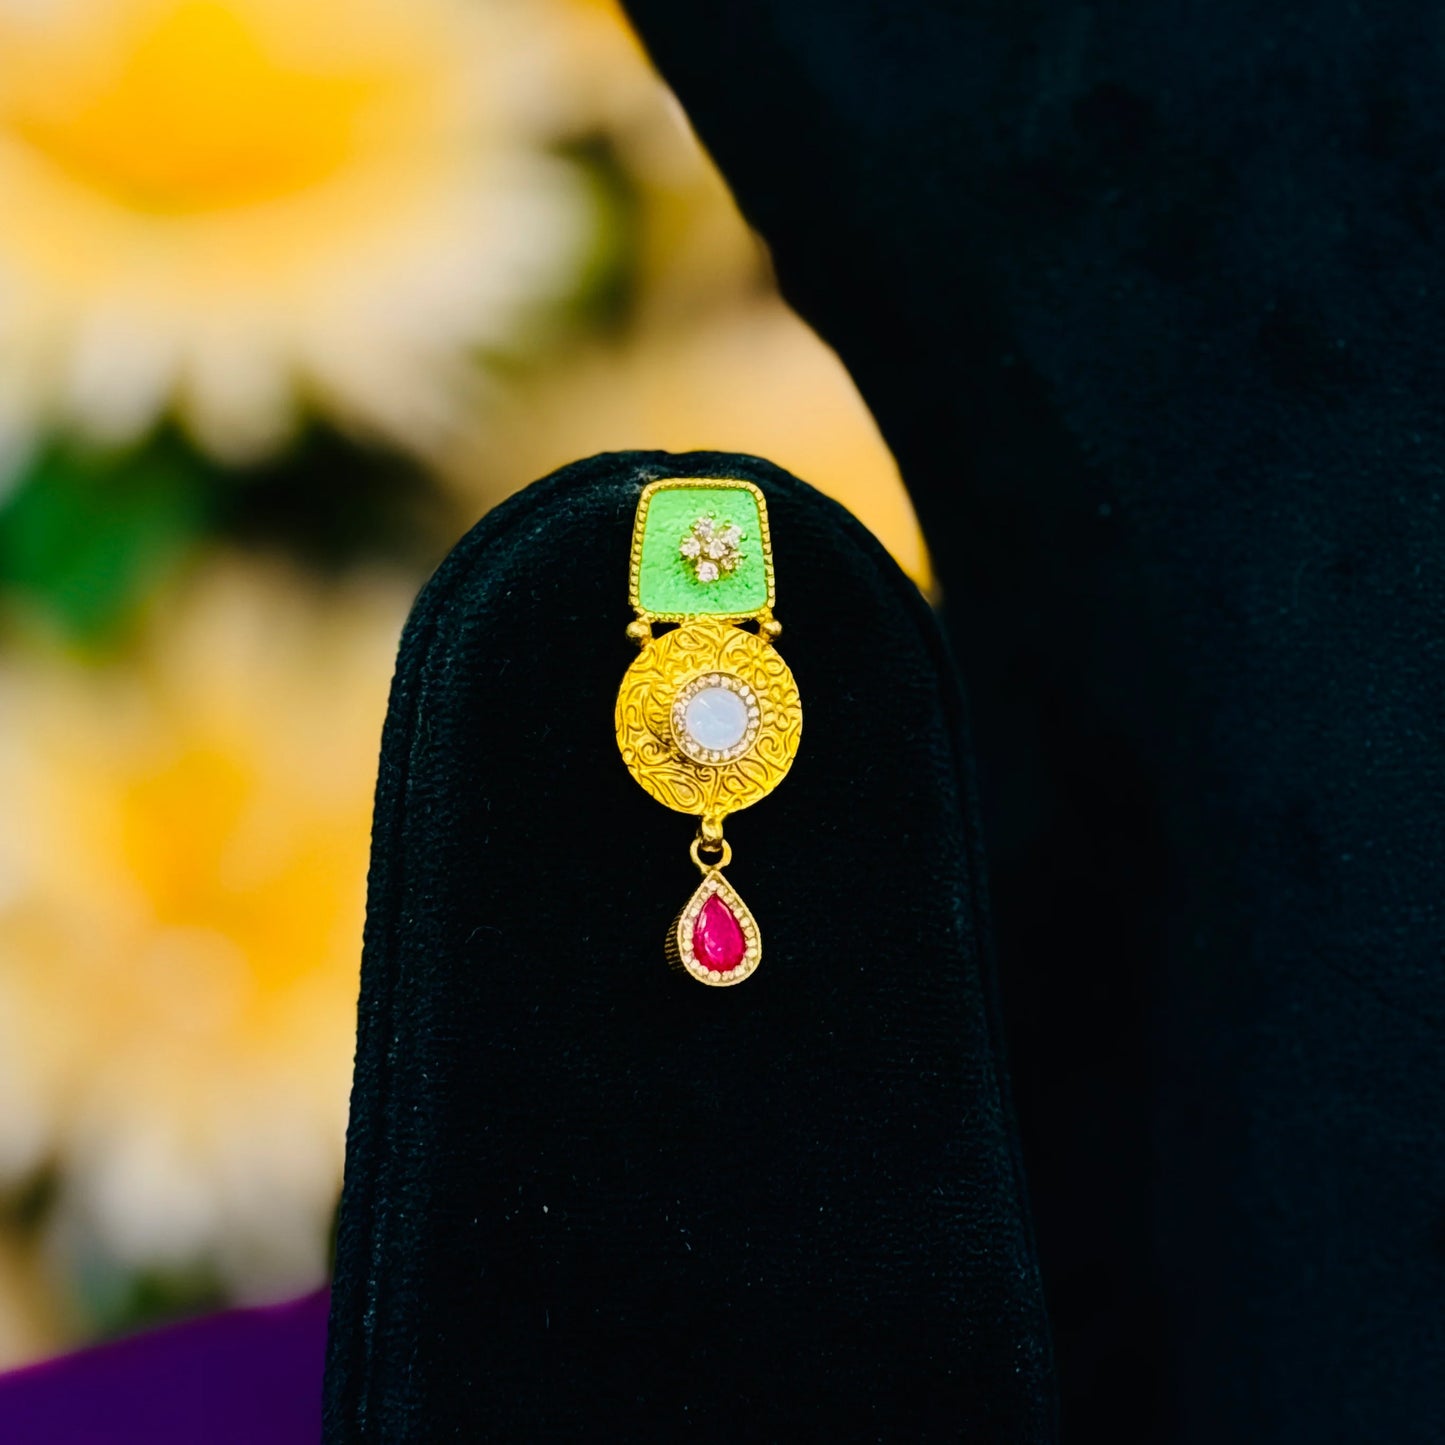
(711, 549)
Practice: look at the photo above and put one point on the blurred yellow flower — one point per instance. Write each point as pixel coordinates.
(753, 379)
(235, 210)
(710, 357)
(235, 207)
(182, 875)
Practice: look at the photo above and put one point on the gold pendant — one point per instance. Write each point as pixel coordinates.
(708, 716)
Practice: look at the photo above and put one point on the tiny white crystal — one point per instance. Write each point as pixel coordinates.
(717, 549)
(703, 526)
(690, 547)
(730, 536)
(707, 571)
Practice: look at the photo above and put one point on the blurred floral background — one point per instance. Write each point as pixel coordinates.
(291, 291)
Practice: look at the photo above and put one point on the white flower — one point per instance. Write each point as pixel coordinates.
(182, 878)
(234, 208)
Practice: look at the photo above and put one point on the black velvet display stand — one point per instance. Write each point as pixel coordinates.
(587, 1198)
(1149, 300)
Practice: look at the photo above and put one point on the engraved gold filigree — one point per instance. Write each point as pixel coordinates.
(662, 669)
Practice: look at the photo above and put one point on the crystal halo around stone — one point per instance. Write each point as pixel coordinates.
(715, 937)
(716, 718)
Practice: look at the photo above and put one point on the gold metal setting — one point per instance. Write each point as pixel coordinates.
(690, 780)
(740, 744)
(716, 682)
(680, 951)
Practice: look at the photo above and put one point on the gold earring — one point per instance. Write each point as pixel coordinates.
(708, 715)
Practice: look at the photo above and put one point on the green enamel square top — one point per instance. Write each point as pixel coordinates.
(666, 584)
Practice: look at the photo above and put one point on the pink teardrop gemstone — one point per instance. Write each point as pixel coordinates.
(717, 937)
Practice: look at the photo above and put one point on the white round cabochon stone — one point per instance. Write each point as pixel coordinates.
(716, 718)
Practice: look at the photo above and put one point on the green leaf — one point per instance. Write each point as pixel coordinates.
(114, 1301)
(86, 534)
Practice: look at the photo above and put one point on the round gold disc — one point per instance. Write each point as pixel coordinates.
(708, 718)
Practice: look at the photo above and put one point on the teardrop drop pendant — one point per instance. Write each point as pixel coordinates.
(715, 938)
(708, 717)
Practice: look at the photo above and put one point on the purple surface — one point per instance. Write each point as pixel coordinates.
(247, 1377)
